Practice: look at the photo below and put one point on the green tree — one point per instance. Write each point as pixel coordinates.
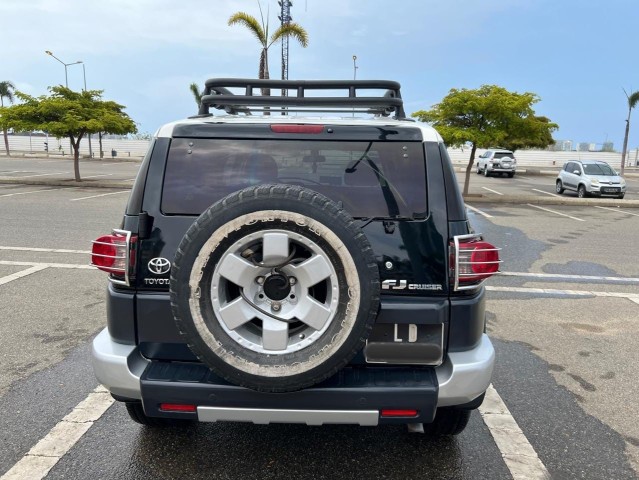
(196, 93)
(68, 114)
(260, 31)
(6, 91)
(633, 100)
(488, 116)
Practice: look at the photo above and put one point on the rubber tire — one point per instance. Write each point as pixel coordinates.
(559, 188)
(478, 170)
(269, 373)
(486, 174)
(136, 412)
(620, 197)
(511, 175)
(448, 421)
(581, 192)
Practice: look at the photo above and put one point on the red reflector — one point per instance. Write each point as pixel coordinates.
(398, 413)
(177, 407)
(297, 128)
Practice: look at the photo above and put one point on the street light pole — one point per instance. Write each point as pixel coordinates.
(354, 67)
(66, 84)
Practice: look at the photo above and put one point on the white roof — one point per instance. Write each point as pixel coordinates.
(429, 133)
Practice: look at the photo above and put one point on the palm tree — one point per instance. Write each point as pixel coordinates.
(6, 91)
(260, 31)
(633, 100)
(196, 93)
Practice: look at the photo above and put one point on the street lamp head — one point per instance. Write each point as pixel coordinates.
(354, 57)
(48, 52)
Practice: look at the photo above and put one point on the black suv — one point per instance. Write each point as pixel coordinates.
(272, 267)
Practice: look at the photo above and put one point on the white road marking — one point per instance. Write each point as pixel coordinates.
(477, 210)
(96, 196)
(555, 291)
(21, 273)
(61, 438)
(44, 174)
(636, 300)
(103, 175)
(491, 190)
(31, 191)
(555, 212)
(48, 265)
(547, 193)
(130, 179)
(51, 250)
(618, 211)
(518, 454)
(561, 275)
(14, 171)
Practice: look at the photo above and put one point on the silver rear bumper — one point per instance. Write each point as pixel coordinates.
(462, 377)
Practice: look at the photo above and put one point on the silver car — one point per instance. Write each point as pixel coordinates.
(590, 177)
(496, 161)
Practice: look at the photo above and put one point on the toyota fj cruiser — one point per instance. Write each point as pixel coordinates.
(272, 267)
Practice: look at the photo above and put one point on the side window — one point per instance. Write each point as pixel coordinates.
(570, 167)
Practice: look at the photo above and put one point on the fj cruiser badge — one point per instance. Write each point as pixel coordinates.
(159, 266)
(403, 285)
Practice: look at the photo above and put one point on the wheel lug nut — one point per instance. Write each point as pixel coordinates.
(292, 280)
(276, 307)
(259, 280)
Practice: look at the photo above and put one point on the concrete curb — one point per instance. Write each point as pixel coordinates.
(67, 183)
(535, 200)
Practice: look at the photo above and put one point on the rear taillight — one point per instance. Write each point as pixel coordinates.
(472, 261)
(115, 254)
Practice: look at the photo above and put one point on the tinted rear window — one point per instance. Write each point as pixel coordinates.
(371, 179)
(502, 155)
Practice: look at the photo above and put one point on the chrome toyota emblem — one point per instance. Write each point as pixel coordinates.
(159, 266)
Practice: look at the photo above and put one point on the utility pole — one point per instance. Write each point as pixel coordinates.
(285, 19)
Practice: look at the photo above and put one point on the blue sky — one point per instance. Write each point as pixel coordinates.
(576, 55)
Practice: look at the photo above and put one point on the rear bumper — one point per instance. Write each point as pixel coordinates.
(355, 395)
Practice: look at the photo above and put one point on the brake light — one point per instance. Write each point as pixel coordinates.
(297, 128)
(472, 261)
(115, 254)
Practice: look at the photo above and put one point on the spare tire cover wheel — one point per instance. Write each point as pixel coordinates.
(275, 288)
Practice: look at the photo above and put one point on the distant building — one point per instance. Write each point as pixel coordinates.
(607, 147)
(561, 146)
(583, 147)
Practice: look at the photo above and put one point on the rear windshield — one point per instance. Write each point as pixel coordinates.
(504, 154)
(370, 179)
(598, 169)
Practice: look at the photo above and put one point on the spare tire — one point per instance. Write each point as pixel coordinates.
(275, 288)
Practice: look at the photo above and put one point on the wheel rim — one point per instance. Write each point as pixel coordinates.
(581, 193)
(281, 303)
(558, 187)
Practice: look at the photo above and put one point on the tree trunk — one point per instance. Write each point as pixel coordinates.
(266, 92)
(469, 168)
(6, 141)
(76, 157)
(100, 141)
(625, 143)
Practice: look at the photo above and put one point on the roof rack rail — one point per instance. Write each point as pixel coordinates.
(294, 94)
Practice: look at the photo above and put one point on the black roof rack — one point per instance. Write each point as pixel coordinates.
(217, 95)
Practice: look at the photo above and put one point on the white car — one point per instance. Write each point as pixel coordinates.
(497, 161)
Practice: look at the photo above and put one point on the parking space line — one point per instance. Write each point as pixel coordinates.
(547, 193)
(44, 174)
(103, 175)
(491, 190)
(48, 250)
(477, 210)
(31, 191)
(567, 277)
(101, 195)
(48, 265)
(555, 212)
(22, 273)
(518, 454)
(617, 210)
(14, 171)
(61, 438)
(555, 291)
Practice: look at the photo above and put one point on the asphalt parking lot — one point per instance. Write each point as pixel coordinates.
(563, 318)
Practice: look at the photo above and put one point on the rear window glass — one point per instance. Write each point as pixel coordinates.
(504, 154)
(370, 179)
